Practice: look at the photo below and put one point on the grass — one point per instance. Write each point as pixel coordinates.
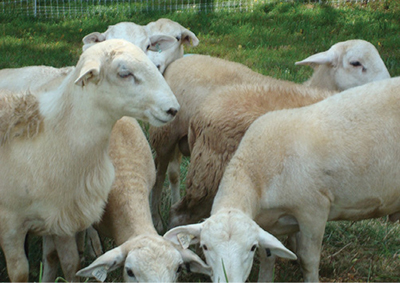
(269, 41)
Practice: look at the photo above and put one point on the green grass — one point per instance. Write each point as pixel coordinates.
(269, 41)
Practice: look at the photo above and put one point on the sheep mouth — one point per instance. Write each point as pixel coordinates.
(159, 121)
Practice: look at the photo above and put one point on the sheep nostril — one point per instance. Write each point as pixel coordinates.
(172, 111)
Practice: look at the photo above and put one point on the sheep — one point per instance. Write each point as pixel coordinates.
(183, 36)
(334, 160)
(38, 79)
(111, 79)
(127, 218)
(192, 79)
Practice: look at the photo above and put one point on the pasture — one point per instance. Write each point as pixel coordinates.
(268, 40)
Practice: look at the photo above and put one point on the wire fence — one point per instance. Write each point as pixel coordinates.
(77, 8)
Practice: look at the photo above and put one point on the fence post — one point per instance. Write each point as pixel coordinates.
(34, 8)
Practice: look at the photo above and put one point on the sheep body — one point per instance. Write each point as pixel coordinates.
(20, 117)
(333, 160)
(35, 195)
(35, 79)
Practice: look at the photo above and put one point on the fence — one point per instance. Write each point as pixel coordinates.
(75, 8)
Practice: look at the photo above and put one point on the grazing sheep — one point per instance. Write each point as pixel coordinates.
(147, 257)
(334, 160)
(56, 178)
(162, 58)
(192, 78)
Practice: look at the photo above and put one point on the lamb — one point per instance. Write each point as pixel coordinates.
(344, 65)
(334, 160)
(127, 218)
(183, 36)
(73, 124)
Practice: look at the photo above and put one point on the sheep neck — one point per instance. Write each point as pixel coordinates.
(238, 190)
(78, 139)
(322, 78)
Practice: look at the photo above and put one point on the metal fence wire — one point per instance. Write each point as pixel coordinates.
(77, 8)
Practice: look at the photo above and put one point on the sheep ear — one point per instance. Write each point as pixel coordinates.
(94, 37)
(89, 71)
(194, 262)
(321, 58)
(108, 262)
(189, 38)
(267, 241)
(160, 42)
(185, 236)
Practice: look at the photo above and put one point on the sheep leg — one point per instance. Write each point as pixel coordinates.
(68, 254)
(292, 242)
(95, 246)
(80, 243)
(161, 165)
(309, 244)
(174, 171)
(13, 245)
(50, 259)
(267, 265)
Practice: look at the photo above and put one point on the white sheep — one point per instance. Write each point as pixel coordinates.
(145, 255)
(334, 160)
(193, 78)
(162, 58)
(55, 169)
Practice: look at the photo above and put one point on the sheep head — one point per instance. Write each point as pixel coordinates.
(182, 36)
(133, 33)
(146, 258)
(346, 64)
(229, 240)
(131, 82)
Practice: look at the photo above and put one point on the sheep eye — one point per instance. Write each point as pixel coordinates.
(355, 64)
(205, 247)
(253, 248)
(148, 47)
(178, 38)
(130, 272)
